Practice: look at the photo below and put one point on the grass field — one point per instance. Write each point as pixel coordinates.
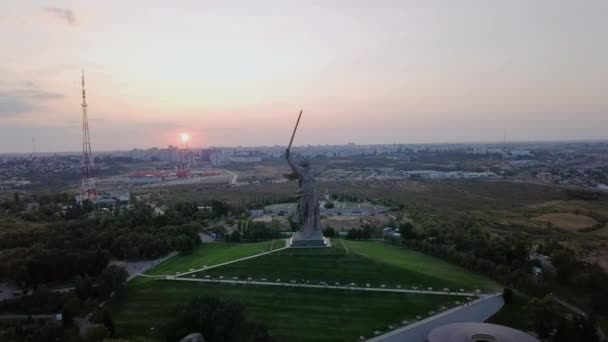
(292, 314)
(367, 262)
(210, 254)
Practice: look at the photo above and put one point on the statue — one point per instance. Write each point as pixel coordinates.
(307, 214)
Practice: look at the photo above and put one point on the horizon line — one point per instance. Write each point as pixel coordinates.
(493, 142)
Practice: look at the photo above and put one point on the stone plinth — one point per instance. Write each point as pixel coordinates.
(299, 239)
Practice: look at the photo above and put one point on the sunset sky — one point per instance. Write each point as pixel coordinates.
(237, 72)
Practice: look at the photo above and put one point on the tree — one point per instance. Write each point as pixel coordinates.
(184, 243)
(406, 229)
(219, 230)
(578, 328)
(543, 316)
(329, 232)
(186, 208)
(216, 320)
(219, 208)
(507, 295)
(107, 321)
(235, 236)
(329, 205)
(96, 333)
(70, 309)
(112, 279)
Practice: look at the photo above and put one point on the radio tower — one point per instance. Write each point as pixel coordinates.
(87, 190)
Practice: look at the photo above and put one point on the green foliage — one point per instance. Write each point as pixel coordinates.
(406, 229)
(507, 295)
(96, 333)
(364, 233)
(329, 232)
(219, 209)
(59, 251)
(577, 328)
(235, 236)
(543, 316)
(183, 243)
(219, 230)
(329, 205)
(112, 279)
(186, 208)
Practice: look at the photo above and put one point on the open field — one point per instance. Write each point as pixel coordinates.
(567, 221)
(367, 262)
(210, 254)
(340, 222)
(292, 314)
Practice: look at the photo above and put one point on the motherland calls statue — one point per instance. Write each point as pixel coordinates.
(307, 213)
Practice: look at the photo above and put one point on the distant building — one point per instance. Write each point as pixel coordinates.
(121, 196)
(520, 153)
(256, 212)
(245, 159)
(546, 177)
(140, 178)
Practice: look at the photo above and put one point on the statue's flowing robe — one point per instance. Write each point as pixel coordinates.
(307, 215)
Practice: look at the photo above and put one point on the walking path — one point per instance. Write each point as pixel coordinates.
(320, 286)
(476, 311)
(11, 317)
(214, 266)
(233, 177)
(135, 268)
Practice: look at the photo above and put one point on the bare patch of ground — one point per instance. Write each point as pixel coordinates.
(340, 222)
(567, 221)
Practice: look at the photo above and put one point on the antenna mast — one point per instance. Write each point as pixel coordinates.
(87, 190)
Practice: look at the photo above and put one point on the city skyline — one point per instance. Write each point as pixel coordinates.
(372, 73)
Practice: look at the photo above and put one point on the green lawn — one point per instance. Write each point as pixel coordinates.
(211, 254)
(292, 314)
(368, 262)
(417, 262)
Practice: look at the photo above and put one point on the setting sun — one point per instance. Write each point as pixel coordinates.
(185, 137)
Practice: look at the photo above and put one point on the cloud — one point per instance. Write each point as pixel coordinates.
(19, 101)
(12, 106)
(63, 14)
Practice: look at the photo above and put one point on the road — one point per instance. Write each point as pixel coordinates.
(476, 311)
(233, 177)
(320, 286)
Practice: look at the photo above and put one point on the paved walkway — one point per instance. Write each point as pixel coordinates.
(476, 311)
(135, 268)
(11, 317)
(233, 177)
(320, 286)
(214, 266)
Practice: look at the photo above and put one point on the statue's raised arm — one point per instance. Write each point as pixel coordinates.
(294, 165)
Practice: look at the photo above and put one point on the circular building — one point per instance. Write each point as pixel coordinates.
(478, 332)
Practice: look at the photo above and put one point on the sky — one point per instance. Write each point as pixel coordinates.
(236, 73)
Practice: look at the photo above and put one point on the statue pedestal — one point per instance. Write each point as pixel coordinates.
(299, 239)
